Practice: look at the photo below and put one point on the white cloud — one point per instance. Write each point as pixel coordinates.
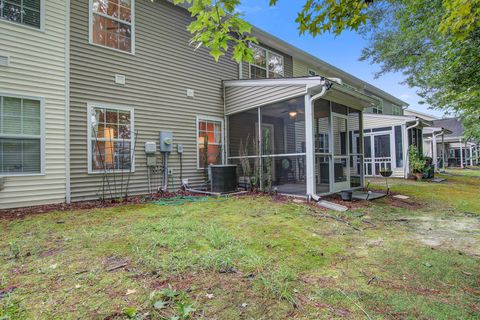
(405, 96)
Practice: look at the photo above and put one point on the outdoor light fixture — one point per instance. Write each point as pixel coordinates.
(293, 115)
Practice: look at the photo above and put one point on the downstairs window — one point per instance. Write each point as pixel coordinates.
(110, 142)
(209, 141)
(20, 136)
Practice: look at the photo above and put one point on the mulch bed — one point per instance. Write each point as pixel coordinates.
(20, 213)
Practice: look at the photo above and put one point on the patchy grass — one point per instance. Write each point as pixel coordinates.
(246, 258)
(458, 193)
(470, 171)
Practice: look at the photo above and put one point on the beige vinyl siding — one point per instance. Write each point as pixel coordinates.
(37, 69)
(157, 76)
(300, 69)
(377, 121)
(243, 98)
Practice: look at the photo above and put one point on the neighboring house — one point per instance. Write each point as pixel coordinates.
(415, 113)
(454, 149)
(33, 78)
(134, 78)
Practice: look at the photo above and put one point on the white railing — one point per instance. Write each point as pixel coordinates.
(373, 166)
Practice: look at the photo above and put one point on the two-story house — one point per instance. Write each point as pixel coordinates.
(147, 111)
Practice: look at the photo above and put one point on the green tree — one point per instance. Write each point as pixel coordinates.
(420, 39)
(435, 43)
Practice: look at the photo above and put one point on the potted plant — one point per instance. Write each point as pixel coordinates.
(416, 162)
(385, 172)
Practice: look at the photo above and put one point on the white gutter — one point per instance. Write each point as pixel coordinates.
(406, 147)
(309, 141)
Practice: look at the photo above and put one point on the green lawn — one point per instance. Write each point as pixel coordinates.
(470, 171)
(250, 258)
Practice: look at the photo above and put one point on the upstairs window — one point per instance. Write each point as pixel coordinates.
(378, 109)
(20, 136)
(26, 12)
(209, 141)
(396, 111)
(267, 64)
(112, 24)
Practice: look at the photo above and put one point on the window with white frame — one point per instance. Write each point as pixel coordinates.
(110, 139)
(266, 64)
(322, 145)
(20, 136)
(209, 141)
(378, 109)
(26, 12)
(396, 110)
(112, 24)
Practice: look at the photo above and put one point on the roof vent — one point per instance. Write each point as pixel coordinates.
(4, 60)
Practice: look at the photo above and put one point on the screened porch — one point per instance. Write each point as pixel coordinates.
(307, 142)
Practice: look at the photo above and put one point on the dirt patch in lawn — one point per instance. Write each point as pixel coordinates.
(212, 291)
(457, 233)
(410, 203)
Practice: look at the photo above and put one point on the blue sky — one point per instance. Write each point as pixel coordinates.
(342, 51)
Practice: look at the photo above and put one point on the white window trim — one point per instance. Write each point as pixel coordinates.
(90, 106)
(42, 134)
(396, 110)
(209, 118)
(42, 20)
(267, 53)
(90, 28)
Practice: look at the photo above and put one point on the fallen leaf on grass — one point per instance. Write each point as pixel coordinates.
(129, 292)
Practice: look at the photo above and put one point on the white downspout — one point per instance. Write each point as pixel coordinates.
(309, 141)
(471, 156)
(406, 165)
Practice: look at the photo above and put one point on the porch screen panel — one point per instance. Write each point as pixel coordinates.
(322, 145)
(355, 148)
(242, 134)
(398, 146)
(283, 146)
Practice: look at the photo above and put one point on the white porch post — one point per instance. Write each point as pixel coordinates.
(471, 156)
(434, 151)
(406, 164)
(309, 146)
(461, 154)
(444, 165)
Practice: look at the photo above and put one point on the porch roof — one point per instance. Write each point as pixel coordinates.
(241, 95)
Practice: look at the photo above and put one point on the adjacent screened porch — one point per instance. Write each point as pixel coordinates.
(269, 145)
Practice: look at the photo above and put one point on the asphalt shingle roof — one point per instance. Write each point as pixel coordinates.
(453, 124)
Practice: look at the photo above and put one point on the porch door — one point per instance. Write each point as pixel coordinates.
(378, 153)
(341, 165)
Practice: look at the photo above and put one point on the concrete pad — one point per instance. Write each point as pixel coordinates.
(331, 206)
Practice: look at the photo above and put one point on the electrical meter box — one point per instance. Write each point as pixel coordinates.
(180, 148)
(150, 148)
(166, 141)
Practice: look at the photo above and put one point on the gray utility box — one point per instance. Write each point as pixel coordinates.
(166, 141)
(223, 178)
